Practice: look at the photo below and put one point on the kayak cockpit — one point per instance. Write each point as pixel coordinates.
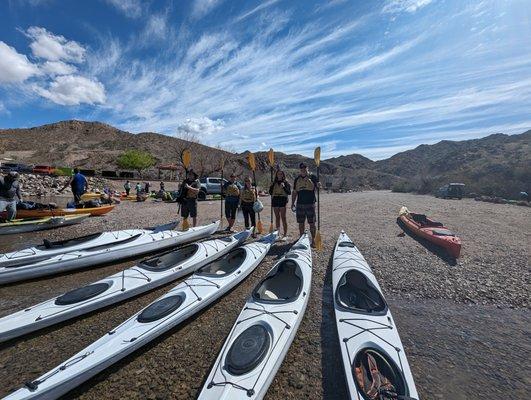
(170, 259)
(226, 265)
(357, 293)
(377, 375)
(283, 284)
(47, 244)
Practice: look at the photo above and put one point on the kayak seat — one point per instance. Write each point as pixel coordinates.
(47, 244)
(169, 259)
(161, 308)
(81, 294)
(225, 265)
(424, 220)
(248, 350)
(282, 284)
(357, 293)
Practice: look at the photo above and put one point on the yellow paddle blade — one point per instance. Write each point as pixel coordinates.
(187, 158)
(259, 227)
(251, 160)
(186, 224)
(317, 156)
(318, 241)
(271, 157)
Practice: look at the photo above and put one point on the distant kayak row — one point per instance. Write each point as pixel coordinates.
(371, 350)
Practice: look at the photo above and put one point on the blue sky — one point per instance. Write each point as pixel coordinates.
(371, 77)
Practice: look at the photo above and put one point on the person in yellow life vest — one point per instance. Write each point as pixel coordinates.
(188, 196)
(247, 199)
(303, 196)
(231, 191)
(280, 190)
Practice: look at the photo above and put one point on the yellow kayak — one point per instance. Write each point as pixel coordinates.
(90, 196)
(40, 224)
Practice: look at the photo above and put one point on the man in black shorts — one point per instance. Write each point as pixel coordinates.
(189, 190)
(303, 195)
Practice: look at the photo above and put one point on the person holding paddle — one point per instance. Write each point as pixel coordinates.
(231, 190)
(280, 190)
(188, 196)
(304, 197)
(248, 197)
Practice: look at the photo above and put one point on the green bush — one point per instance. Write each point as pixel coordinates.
(136, 159)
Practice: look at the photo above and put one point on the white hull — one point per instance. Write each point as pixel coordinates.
(109, 246)
(359, 330)
(120, 286)
(181, 302)
(279, 317)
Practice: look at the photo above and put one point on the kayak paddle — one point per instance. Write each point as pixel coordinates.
(318, 241)
(252, 164)
(187, 158)
(221, 194)
(271, 158)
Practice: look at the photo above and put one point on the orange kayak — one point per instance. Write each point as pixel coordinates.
(61, 211)
(433, 231)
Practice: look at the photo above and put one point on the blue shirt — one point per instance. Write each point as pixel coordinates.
(78, 183)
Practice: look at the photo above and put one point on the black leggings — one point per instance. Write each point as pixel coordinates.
(248, 213)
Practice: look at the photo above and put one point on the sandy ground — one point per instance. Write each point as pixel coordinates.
(465, 326)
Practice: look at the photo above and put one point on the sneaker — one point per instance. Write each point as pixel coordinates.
(312, 245)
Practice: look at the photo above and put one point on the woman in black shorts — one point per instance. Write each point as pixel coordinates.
(279, 191)
(247, 199)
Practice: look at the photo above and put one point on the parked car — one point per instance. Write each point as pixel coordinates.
(43, 169)
(209, 186)
(16, 167)
(452, 190)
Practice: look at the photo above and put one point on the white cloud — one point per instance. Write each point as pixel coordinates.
(156, 27)
(130, 8)
(200, 8)
(15, 67)
(410, 6)
(73, 90)
(200, 126)
(52, 47)
(258, 8)
(58, 68)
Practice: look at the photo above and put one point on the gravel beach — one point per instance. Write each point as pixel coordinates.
(465, 326)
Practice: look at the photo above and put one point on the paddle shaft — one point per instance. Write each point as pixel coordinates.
(318, 201)
(271, 196)
(256, 190)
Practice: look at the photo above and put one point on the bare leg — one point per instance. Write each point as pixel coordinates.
(312, 231)
(277, 217)
(301, 228)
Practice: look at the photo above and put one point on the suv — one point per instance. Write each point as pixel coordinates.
(452, 190)
(209, 186)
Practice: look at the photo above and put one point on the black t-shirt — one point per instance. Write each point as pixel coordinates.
(305, 188)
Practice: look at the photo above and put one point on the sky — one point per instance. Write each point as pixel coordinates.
(352, 76)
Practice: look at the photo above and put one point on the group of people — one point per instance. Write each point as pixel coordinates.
(303, 199)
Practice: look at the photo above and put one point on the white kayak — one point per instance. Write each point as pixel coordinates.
(187, 298)
(375, 363)
(57, 257)
(146, 275)
(264, 330)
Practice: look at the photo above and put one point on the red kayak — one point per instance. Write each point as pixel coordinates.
(431, 230)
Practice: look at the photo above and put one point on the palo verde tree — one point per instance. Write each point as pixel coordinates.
(137, 160)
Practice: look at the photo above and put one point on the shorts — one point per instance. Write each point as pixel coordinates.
(231, 207)
(279, 201)
(189, 208)
(305, 212)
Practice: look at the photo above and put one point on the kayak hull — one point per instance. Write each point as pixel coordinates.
(452, 244)
(195, 293)
(278, 318)
(95, 211)
(120, 286)
(361, 329)
(129, 244)
(32, 225)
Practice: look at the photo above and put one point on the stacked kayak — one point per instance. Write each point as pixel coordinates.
(146, 275)
(58, 212)
(264, 330)
(433, 231)
(88, 251)
(375, 363)
(190, 296)
(40, 224)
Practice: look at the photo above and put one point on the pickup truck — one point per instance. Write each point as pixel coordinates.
(209, 186)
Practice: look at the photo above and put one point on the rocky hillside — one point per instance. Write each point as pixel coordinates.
(494, 165)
